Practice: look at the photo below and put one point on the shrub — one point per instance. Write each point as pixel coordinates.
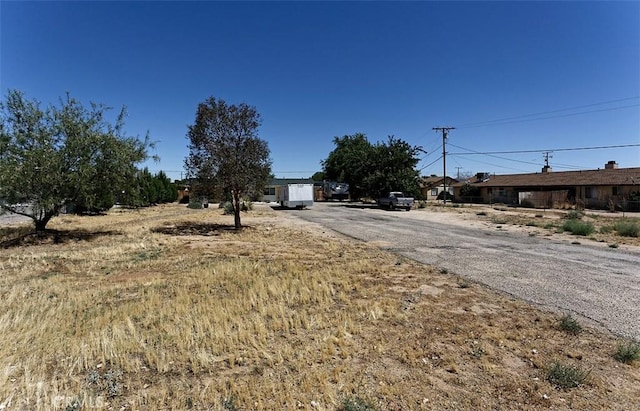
(627, 353)
(195, 204)
(577, 227)
(627, 228)
(570, 325)
(228, 207)
(357, 404)
(566, 376)
(606, 229)
(481, 213)
(574, 215)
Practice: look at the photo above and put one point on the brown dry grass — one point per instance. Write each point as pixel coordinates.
(167, 308)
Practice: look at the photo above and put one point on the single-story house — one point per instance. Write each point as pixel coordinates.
(433, 185)
(601, 189)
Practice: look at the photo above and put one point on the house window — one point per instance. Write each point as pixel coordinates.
(434, 192)
(589, 192)
(269, 191)
(614, 191)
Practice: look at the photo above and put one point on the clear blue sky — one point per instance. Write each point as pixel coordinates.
(315, 70)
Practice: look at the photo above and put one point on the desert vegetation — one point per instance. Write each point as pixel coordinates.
(172, 308)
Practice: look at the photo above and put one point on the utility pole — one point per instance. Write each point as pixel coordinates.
(458, 170)
(445, 132)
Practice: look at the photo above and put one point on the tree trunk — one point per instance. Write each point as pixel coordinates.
(236, 210)
(41, 224)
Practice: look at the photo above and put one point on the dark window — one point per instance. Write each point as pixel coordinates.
(614, 191)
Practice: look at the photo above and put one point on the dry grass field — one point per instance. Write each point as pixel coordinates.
(170, 309)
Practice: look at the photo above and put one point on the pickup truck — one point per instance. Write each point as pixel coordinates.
(396, 199)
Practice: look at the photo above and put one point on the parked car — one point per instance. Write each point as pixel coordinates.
(396, 199)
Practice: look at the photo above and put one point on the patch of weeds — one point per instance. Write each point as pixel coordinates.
(75, 405)
(357, 404)
(578, 227)
(614, 245)
(627, 228)
(539, 216)
(229, 403)
(566, 376)
(107, 383)
(481, 213)
(575, 242)
(422, 204)
(627, 353)
(531, 224)
(570, 325)
(146, 255)
(549, 226)
(477, 350)
(606, 229)
(444, 271)
(574, 215)
(464, 283)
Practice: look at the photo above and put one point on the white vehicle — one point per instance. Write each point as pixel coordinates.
(295, 195)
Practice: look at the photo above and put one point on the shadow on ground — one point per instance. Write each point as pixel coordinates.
(193, 228)
(22, 236)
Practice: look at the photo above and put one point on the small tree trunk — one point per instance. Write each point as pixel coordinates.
(41, 224)
(236, 210)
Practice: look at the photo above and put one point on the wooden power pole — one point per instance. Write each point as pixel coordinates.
(445, 132)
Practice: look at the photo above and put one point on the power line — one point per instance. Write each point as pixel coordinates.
(431, 163)
(491, 155)
(495, 165)
(516, 119)
(542, 150)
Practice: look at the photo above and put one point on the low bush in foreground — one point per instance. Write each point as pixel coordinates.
(357, 404)
(627, 228)
(570, 325)
(627, 353)
(566, 376)
(577, 227)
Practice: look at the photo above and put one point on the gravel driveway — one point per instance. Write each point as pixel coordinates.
(598, 284)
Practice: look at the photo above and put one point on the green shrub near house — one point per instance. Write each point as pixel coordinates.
(627, 228)
(577, 227)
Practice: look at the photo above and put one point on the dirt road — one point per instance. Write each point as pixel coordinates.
(598, 284)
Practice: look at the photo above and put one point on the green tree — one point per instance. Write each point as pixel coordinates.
(225, 148)
(372, 170)
(349, 162)
(62, 156)
(393, 168)
(318, 176)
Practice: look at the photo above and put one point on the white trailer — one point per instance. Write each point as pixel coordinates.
(295, 195)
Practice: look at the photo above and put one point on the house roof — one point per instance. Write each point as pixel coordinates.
(285, 181)
(603, 177)
(426, 182)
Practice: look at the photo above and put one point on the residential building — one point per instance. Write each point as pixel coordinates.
(608, 188)
(433, 186)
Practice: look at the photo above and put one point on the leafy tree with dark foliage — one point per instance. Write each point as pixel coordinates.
(58, 157)
(225, 148)
(373, 169)
(350, 162)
